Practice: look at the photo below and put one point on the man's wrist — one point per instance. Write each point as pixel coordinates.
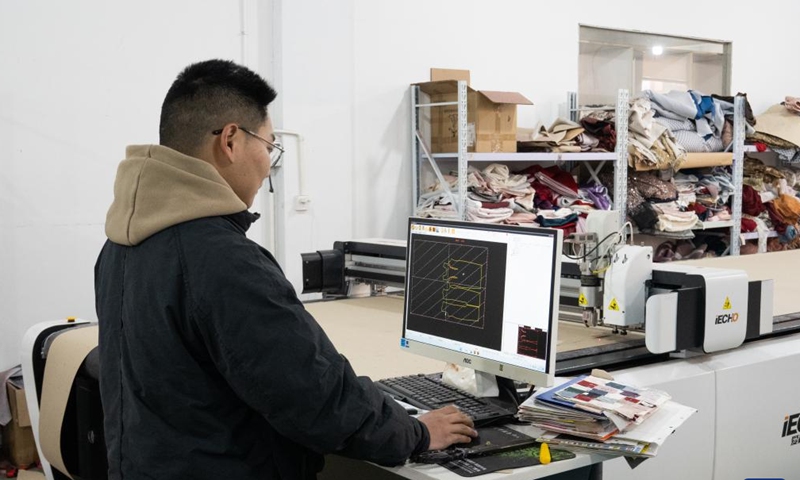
(424, 441)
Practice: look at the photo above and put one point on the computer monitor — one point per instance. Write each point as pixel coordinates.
(484, 296)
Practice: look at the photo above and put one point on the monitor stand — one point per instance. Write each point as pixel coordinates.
(487, 385)
(490, 385)
(508, 391)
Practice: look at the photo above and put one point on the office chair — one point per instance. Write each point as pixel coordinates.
(60, 368)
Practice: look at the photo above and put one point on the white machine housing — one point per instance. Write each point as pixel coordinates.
(624, 286)
(684, 307)
(726, 306)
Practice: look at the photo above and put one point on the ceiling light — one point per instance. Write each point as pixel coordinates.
(658, 50)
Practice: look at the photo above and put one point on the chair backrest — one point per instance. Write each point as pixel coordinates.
(60, 365)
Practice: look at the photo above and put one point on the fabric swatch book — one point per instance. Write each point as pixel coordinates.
(549, 397)
(640, 440)
(561, 420)
(633, 421)
(548, 411)
(632, 403)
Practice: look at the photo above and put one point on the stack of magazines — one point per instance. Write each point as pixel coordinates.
(595, 414)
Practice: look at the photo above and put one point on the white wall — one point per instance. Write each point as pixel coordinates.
(314, 75)
(79, 80)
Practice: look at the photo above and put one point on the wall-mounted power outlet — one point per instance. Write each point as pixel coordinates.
(301, 202)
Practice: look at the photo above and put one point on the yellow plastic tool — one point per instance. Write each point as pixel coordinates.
(544, 454)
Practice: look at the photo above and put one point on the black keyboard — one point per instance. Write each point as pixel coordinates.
(429, 393)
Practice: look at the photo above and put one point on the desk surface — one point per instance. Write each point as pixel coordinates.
(781, 267)
(367, 331)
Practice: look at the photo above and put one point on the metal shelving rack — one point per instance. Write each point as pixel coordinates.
(421, 153)
(734, 225)
(620, 154)
(738, 174)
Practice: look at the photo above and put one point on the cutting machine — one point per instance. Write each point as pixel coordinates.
(671, 308)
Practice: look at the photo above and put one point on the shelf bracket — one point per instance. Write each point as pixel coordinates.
(445, 185)
(738, 172)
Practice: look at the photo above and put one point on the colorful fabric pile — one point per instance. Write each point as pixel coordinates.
(535, 196)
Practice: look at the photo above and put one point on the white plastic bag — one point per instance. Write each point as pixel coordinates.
(476, 383)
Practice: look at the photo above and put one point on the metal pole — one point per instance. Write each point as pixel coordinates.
(738, 173)
(621, 166)
(415, 187)
(462, 150)
(572, 106)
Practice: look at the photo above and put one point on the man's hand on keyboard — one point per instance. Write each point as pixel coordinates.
(447, 426)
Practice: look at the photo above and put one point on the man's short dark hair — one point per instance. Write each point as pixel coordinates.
(208, 95)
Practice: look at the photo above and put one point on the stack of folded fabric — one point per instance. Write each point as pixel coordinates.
(779, 128)
(706, 192)
(562, 136)
(698, 122)
(495, 195)
(673, 250)
(725, 102)
(770, 202)
(671, 218)
(601, 125)
(714, 188)
(560, 202)
(656, 206)
(650, 144)
(536, 196)
(685, 186)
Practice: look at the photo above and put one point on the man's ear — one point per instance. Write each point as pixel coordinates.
(226, 143)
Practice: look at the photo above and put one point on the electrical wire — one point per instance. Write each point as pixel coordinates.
(595, 247)
(602, 270)
(621, 233)
(621, 237)
(629, 225)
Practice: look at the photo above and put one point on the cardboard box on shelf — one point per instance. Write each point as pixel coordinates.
(491, 116)
(18, 442)
(441, 74)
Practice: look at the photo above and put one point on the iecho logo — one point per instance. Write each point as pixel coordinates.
(791, 427)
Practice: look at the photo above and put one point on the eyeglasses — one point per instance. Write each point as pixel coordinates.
(275, 146)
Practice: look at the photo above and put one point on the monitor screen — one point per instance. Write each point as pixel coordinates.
(484, 296)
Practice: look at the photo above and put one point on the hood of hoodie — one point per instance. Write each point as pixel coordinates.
(158, 187)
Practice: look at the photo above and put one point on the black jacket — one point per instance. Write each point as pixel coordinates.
(212, 368)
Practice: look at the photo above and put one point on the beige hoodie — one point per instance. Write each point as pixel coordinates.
(158, 187)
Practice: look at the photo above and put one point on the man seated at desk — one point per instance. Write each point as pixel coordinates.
(210, 365)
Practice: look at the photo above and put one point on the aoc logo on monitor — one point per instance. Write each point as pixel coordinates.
(791, 427)
(468, 361)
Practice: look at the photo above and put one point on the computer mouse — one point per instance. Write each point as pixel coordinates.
(472, 443)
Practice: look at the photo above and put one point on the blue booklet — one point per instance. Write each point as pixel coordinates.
(549, 397)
